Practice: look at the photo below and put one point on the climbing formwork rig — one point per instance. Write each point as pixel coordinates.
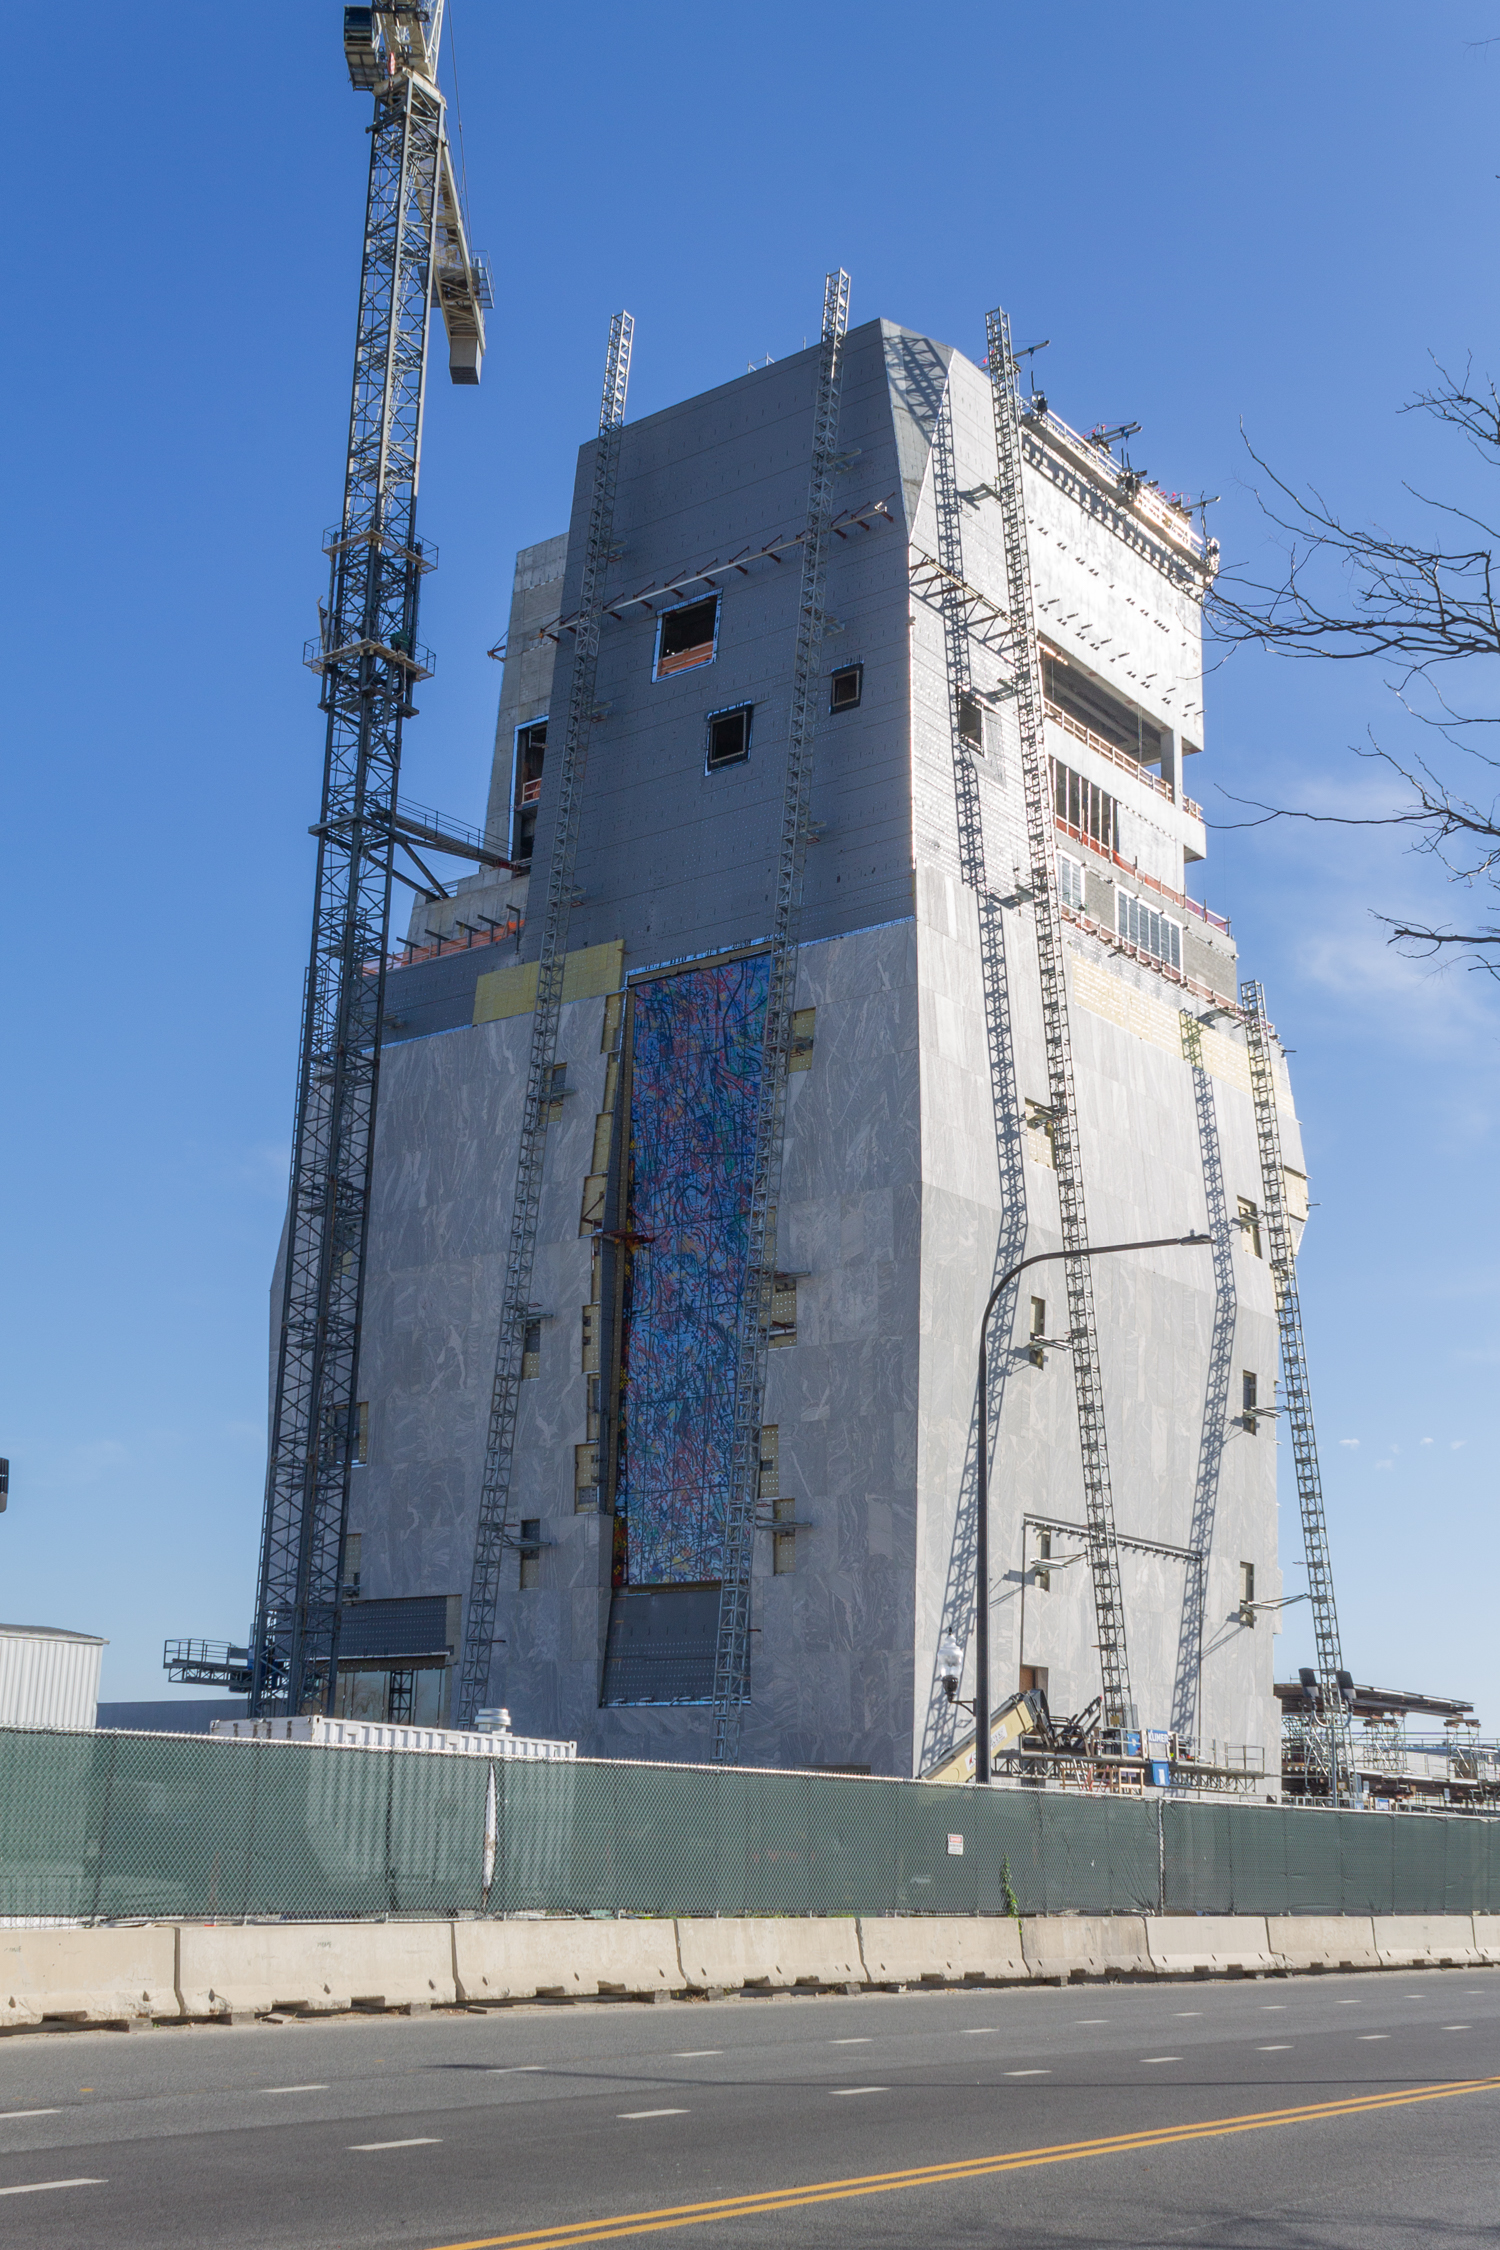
(493, 1536)
(732, 1644)
(1026, 688)
(1323, 1728)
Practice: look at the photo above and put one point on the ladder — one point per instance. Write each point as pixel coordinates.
(369, 662)
(1099, 1514)
(1329, 1728)
(493, 1534)
(732, 1640)
(1186, 1687)
(956, 601)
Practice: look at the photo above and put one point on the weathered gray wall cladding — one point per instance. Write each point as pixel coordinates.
(899, 1180)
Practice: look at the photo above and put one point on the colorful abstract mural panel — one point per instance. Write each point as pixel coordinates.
(696, 1041)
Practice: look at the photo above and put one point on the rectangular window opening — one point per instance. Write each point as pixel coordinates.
(971, 722)
(1248, 1401)
(1141, 926)
(1043, 1554)
(1091, 812)
(585, 1477)
(1247, 1584)
(770, 1460)
(1250, 1226)
(531, 1552)
(1038, 1331)
(687, 637)
(531, 1351)
(802, 1039)
(362, 1433)
(1089, 704)
(353, 1542)
(728, 736)
(784, 1309)
(1070, 882)
(591, 1339)
(845, 687)
(531, 753)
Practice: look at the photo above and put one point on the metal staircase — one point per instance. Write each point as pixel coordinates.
(1327, 1731)
(493, 1534)
(732, 1644)
(1187, 1683)
(1104, 1560)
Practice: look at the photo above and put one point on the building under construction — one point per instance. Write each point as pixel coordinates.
(952, 862)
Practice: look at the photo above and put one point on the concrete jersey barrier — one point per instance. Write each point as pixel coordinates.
(313, 1968)
(1426, 1941)
(725, 1955)
(1208, 1944)
(87, 1976)
(941, 1949)
(521, 1960)
(1086, 1945)
(1304, 1942)
(1487, 1938)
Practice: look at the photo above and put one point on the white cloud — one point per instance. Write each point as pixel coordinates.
(1427, 1441)
(1385, 1464)
(1456, 1445)
(1351, 1442)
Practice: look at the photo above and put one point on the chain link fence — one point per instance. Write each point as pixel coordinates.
(104, 1826)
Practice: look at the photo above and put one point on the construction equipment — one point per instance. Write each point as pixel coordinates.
(969, 616)
(493, 1534)
(1186, 1685)
(367, 655)
(732, 1644)
(1104, 1560)
(1328, 1730)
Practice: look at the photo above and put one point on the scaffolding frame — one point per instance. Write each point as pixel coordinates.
(493, 1535)
(1103, 1550)
(731, 1688)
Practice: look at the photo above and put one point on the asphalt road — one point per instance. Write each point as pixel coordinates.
(1285, 2114)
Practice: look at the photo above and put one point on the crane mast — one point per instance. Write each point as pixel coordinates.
(416, 256)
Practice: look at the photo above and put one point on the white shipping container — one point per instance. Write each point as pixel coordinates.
(379, 1734)
(48, 1678)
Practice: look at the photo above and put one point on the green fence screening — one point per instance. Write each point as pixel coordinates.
(110, 1825)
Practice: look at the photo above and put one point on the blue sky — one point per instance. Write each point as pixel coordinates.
(1267, 215)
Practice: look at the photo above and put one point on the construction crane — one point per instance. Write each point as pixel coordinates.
(493, 1533)
(732, 1642)
(416, 256)
(1088, 1383)
(1327, 1729)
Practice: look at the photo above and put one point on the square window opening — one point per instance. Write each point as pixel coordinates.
(728, 737)
(845, 688)
(687, 637)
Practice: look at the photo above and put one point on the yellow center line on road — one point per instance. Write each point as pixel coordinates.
(566, 2237)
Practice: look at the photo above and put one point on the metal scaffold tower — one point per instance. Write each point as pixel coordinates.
(493, 1535)
(1327, 1729)
(1104, 1559)
(415, 255)
(1187, 1682)
(732, 1647)
(956, 600)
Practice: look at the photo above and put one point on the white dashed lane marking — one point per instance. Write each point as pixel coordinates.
(1160, 2058)
(1365, 2035)
(693, 2054)
(422, 2140)
(1028, 2074)
(40, 2187)
(294, 2089)
(633, 2113)
(58, 2112)
(859, 2089)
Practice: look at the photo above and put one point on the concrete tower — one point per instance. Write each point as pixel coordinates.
(908, 1158)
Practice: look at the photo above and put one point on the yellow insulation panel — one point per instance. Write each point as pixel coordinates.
(1119, 1003)
(587, 974)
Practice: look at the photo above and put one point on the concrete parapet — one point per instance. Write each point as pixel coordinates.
(1487, 1938)
(1322, 1941)
(1086, 1945)
(1426, 1941)
(312, 1968)
(1208, 1944)
(87, 1976)
(723, 1956)
(942, 1949)
(520, 1960)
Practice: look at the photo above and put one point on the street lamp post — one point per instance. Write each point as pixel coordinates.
(982, 1493)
